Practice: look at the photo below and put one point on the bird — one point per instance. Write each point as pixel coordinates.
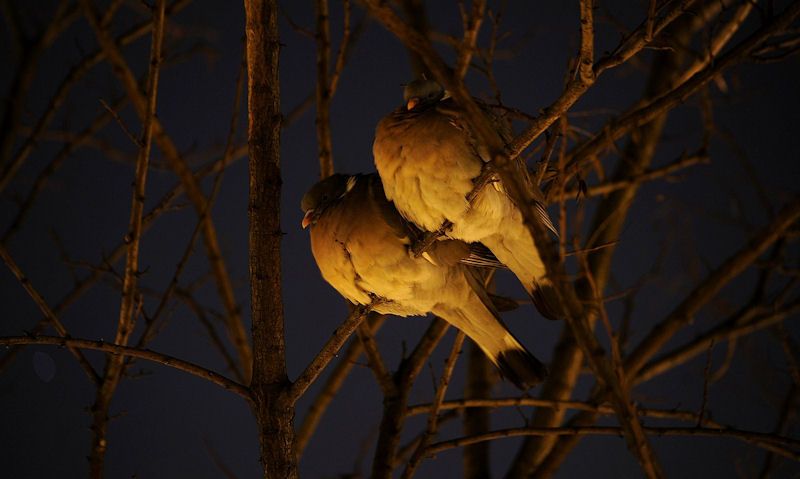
(362, 246)
(428, 159)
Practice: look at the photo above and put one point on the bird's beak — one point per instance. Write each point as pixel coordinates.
(412, 102)
(308, 218)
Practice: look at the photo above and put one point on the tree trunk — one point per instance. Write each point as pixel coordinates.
(274, 410)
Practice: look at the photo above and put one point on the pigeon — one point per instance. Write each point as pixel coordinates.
(362, 246)
(428, 160)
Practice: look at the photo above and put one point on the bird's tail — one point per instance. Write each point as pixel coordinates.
(512, 359)
(521, 367)
(478, 319)
(517, 250)
(545, 299)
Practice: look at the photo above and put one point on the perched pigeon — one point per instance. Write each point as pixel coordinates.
(428, 158)
(362, 247)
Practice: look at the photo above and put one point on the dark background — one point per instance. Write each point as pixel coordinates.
(173, 425)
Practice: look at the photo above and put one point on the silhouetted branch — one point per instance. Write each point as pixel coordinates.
(331, 387)
(394, 407)
(705, 291)
(328, 351)
(48, 313)
(75, 74)
(472, 25)
(781, 445)
(433, 415)
(234, 324)
(115, 364)
(323, 92)
(376, 363)
(749, 321)
(123, 351)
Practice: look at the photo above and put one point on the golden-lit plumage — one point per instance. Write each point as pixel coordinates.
(428, 159)
(361, 245)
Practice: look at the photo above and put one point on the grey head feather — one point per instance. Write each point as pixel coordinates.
(325, 193)
(328, 190)
(425, 92)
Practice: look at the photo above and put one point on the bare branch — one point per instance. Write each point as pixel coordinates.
(686, 161)
(749, 321)
(48, 313)
(329, 350)
(123, 351)
(66, 85)
(480, 375)
(652, 109)
(376, 363)
(394, 407)
(331, 387)
(781, 445)
(127, 314)
(705, 291)
(433, 416)
(23, 77)
(234, 322)
(472, 25)
(323, 91)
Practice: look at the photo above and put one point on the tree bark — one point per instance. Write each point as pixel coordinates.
(273, 408)
(477, 420)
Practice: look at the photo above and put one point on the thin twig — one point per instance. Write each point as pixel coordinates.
(115, 364)
(472, 26)
(329, 350)
(344, 47)
(83, 285)
(331, 387)
(122, 351)
(48, 313)
(781, 445)
(122, 125)
(201, 315)
(23, 77)
(433, 416)
(705, 291)
(72, 78)
(737, 327)
(685, 161)
(645, 113)
(706, 373)
(394, 407)
(234, 323)
(376, 363)
(41, 179)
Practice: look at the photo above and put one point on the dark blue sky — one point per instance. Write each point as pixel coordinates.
(170, 422)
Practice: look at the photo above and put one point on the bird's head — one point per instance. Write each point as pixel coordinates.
(323, 194)
(421, 93)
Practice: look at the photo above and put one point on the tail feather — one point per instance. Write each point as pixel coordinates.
(519, 253)
(545, 299)
(521, 368)
(477, 317)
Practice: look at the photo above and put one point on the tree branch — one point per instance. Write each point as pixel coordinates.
(126, 351)
(705, 291)
(48, 313)
(234, 322)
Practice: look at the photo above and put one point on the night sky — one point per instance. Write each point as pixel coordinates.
(171, 424)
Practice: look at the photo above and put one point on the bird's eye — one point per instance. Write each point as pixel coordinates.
(324, 197)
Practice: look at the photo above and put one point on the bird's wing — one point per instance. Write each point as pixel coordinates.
(481, 256)
(426, 165)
